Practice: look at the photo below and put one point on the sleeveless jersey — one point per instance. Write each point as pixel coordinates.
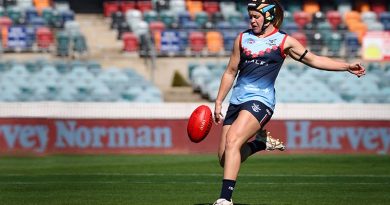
(260, 63)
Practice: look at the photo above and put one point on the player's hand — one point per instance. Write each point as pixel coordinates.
(357, 69)
(218, 116)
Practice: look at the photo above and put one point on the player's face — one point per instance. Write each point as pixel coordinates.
(256, 21)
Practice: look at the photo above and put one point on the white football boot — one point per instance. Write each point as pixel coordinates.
(271, 143)
(223, 202)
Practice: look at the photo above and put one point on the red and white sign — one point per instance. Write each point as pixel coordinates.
(104, 136)
(376, 46)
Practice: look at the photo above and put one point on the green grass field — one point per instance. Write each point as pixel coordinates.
(194, 180)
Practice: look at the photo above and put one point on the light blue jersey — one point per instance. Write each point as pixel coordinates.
(260, 63)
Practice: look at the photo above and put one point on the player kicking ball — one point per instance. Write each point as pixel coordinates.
(257, 57)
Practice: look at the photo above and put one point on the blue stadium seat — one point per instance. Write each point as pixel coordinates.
(352, 44)
(200, 76)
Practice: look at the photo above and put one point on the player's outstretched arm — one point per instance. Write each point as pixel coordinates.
(296, 51)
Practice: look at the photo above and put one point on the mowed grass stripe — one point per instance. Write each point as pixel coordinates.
(192, 174)
(193, 180)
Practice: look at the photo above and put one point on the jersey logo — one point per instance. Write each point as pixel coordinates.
(271, 42)
(256, 107)
(250, 41)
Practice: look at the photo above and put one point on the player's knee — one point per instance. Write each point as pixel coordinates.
(232, 142)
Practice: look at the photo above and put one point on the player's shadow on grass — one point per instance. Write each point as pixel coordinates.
(234, 204)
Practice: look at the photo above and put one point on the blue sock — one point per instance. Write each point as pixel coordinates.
(227, 189)
(256, 146)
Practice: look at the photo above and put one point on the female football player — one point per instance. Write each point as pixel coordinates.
(257, 56)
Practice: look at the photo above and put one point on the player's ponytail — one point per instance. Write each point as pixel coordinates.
(279, 14)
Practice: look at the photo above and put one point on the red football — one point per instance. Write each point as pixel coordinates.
(199, 123)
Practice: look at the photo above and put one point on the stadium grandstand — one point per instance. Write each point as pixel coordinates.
(118, 48)
(95, 97)
(65, 54)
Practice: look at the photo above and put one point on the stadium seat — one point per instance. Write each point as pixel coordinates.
(140, 28)
(50, 72)
(110, 7)
(211, 7)
(301, 18)
(67, 15)
(301, 37)
(228, 39)
(200, 76)
(288, 17)
(150, 16)
(168, 18)
(15, 14)
(116, 19)
(194, 6)
(94, 67)
(294, 6)
(212, 90)
(47, 14)
(156, 26)
(133, 17)
(63, 44)
(201, 18)
(61, 67)
(311, 6)
(317, 43)
(362, 5)
(57, 21)
(190, 68)
(130, 42)
(190, 26)
(144, 5)
(160, 5)
(30, 13)
(72, 28)
(214, 42)
(352, 44)
(325, 29)
(31, 67)
(384, 17)
(197, 41)
(378, 6)
(227, 7)
(352, 17)
(131, 93)
(318, 17)
(233, 17)
(368, 17)
(80, 46)
(42, 4)
(114, 78)
(177, 6)
(334, 18)
(184, 18)
(334, 43)
(375, 26)
(223, 26)
(359, 28)
(241, 26)
(344, 6)
(290, 27)
(45, 38)
(124, 6)
(216, 17)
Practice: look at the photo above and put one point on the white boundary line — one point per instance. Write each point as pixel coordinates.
(197, 175)
(191, 182)
(120, 110)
